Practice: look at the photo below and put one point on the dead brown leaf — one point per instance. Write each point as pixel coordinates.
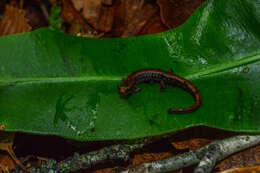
(6, 163)
(98, 13)
(91, 10)
(78, 4)
(2, 127)
(13, 21)
(153, 26)
(176, 12)
(149, 157)
(137, 14)
(253, 169)
(6, 144)
(193, 144)
(77, 23)
(107, 2)
(107, 170)
(249, 157)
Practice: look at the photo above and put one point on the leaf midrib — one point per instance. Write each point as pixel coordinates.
(224, 66)
(202, 73)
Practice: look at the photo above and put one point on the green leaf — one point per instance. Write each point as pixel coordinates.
(55, 18)
(52, 83)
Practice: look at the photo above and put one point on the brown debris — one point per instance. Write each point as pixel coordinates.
(149, 157)
(6, 163)
(107, 2)
(153, 26)
(91, 10)
(34, 14)
(176, 12)
(249, 157)
(193, 144)
(106, 19)
(97, 13)
(72, 16)
(122, 18)
(78, 4)
(131, 17)
(252, 169)
(107, 170)
(119, 19)
(13, 21)
(6, 144)
(2, 127)
(44, 10)
(137, 14)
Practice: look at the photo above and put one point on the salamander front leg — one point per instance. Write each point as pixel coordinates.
(162, 83)
(170, 71)
(137, 89)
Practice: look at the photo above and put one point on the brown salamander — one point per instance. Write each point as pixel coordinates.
(129, 85)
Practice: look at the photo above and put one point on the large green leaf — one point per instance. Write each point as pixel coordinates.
(52, 83)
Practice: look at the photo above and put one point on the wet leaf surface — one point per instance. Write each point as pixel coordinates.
(67, 86)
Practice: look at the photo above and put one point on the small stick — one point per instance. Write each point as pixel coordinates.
(206, 156)
(84, 161)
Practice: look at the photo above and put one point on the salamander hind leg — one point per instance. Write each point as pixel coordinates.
(137, 89)
(163, 87)
(170, 71)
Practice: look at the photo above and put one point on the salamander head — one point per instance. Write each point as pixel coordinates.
(125, 90)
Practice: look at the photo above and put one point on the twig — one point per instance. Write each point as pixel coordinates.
(116, 152)
(44, 10)
(206, 156)
(84, 161)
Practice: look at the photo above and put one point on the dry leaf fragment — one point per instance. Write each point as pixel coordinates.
(137, 15)
(107, 2)
(149, 157)
(153, 26)
(91, 10)
(101, 17)
(6, 163)
(2, 127)
(73, 17)
(253, 169)
(192, 144)
(13, 21)
(78, 4)
(175, 12)
(97, 13)
(107, 170)
(6, 144)
(249, 157)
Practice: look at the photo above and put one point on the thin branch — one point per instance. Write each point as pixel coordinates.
(84, 161)
(227, 147)
(206, 156)
(116, 152)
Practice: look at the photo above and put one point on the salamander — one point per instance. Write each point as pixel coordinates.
(129, 85)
